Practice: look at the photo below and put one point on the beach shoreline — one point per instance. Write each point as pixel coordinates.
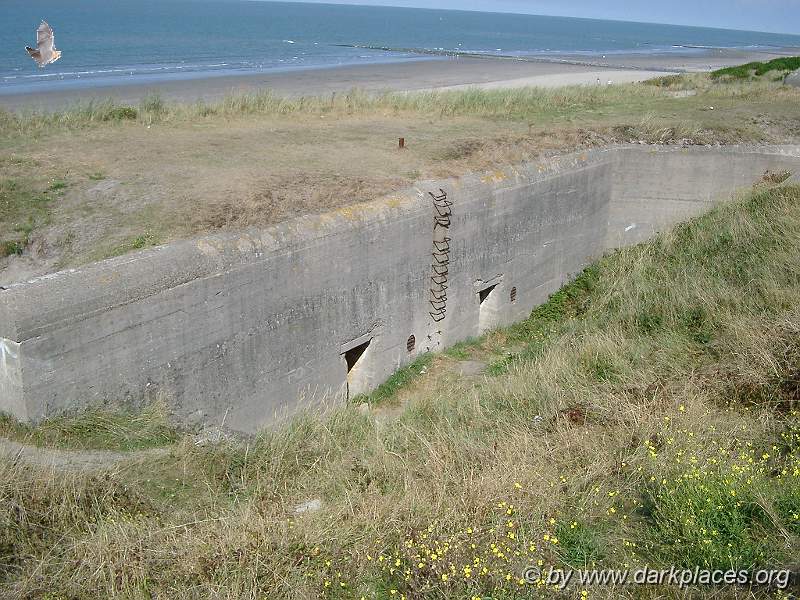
(418, 74)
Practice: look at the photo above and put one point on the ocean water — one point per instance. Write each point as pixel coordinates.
(140, 41)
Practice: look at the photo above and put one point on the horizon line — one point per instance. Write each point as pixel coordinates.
(526, 14)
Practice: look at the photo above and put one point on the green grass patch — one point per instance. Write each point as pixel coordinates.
(399, 380)
(144, 241)
(464, 350)
(9, 248)
(153, 104)
(139, 242)
(120, 113)
(23, 208)
(569, 302)
(667, 81)
(757, 69)
(56, 185)
(580, 545)
(710, 520)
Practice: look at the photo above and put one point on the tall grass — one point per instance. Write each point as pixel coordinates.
(520, 103)
(505, 103)
(98, 429)
(650, 418)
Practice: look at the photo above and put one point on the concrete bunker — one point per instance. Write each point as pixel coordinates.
(109, 330)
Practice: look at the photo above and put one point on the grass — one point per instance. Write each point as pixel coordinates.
(655, 424)
(569, 302)
(758, 69)
(399, 380)
(251, 161)
(97, 429)
(507, 104)
(57, 185)
(464, 350)
(24, 206)
(139, 242)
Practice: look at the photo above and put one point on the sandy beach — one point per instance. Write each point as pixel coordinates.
(428, 73)
(422, 74)
(681, 60)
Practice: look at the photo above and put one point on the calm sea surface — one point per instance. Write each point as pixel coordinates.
(116, 41)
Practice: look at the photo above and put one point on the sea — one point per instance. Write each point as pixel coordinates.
(112, 42)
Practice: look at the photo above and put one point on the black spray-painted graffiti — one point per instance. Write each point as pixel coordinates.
(441, 254)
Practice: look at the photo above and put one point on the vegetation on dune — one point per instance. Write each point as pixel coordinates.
(779, 66)
(93, 181)
(648, 416)
(24, 206)
(509, 103)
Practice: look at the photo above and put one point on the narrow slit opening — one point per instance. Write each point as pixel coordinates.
(484, 294)
(352, 356)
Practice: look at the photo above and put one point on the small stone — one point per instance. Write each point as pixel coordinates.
(363, 408)
(210, 434)
(469, 368)
(308, 506)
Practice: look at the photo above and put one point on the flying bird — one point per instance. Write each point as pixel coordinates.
(45, 51)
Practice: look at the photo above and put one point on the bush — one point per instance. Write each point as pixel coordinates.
(757, 69)
(10, 247)
(121, 113)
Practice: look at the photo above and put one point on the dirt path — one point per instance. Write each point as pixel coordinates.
(72, 460)
(471, 370)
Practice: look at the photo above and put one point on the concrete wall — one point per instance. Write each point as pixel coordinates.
(657, 187)
(241, 327)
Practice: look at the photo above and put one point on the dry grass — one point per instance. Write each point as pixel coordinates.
(99, 429)
(132, 177)
(646, 416)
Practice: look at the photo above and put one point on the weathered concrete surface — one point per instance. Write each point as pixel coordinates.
(657, 187)
(236, 328)
(793, 79)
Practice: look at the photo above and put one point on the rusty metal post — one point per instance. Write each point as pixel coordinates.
(402, 143)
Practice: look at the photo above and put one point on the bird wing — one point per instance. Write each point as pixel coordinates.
(45, 40)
